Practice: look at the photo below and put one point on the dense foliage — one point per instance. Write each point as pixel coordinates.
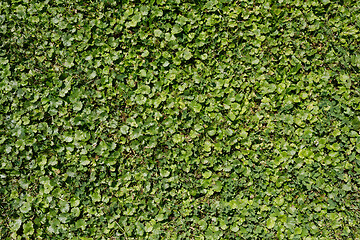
(171, 119)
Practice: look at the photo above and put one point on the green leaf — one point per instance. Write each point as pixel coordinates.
(178, 138)
(160, 217)
(234, 227)
(144, 10)
(3, 61)
(96, 196)
(356, 123)
(207, 146)
(231, 116)
(47, 187)
(68, 137)
(124, 129)
(77, 106)
(298, 231)
(279, 201)
(15, 225)
(158, 33)
(164, 173)
(149, 227)
(203, 224)
(207, 174)
(255, 61)
(64, 206)
(270, 223)
(223, 224)
(195, 106)
(303, 153)
(218, 186)
(80, 224)
(26, 207)
(74, 202)
(84, 161)
(346, 187)
(28, 228)
(187, 54)
(176, 29)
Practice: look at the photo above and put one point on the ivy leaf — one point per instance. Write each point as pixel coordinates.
(207, 174)
(164, 173)
(144, 10)
(158, 33)
(28, 228)
(68, 137)
(187, 54)
(255, 61)
(149, 226)
(26, 207)
(270, 223)
(80, 224)
(207, 146)
(96, 196)
(196, 106)
(124, 129)
(203, 224)
(346, 187)
(178, 138)
(78, 106)
(15, 225)
(356, 123)
(64, 206)
(298, 231)
(47, 187)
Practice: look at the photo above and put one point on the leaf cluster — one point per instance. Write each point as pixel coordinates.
(169, 119)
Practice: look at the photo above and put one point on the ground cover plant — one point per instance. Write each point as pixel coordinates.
(169, 119)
